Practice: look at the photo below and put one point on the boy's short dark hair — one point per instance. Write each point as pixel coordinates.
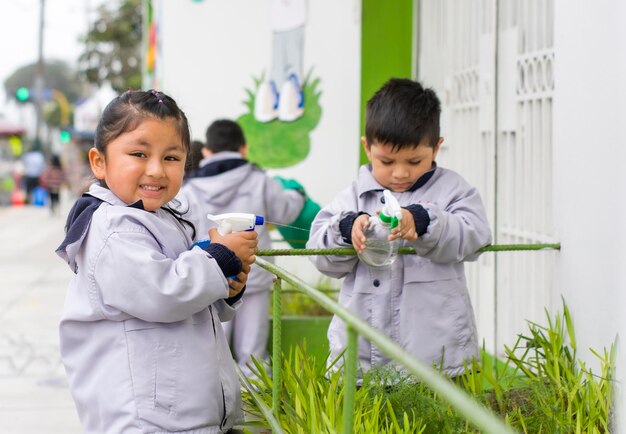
(401, 114)
(224, 135)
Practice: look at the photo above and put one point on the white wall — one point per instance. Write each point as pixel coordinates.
(589, 161)
(211, 51)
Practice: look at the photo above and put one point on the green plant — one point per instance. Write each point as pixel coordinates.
(564, 384)
(312, 400)
(540, 388)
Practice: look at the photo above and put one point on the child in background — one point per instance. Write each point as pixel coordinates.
(195, 156)
(420, 301)
(52, 179)
(140, 334)
(227, 182)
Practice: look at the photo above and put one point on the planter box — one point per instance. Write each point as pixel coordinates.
(298, 329)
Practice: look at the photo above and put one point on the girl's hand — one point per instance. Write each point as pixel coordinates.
(243, 244)
(235, 286)
(358, 237)
(406, 228)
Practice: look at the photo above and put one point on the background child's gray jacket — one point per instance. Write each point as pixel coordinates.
(139, 338)
(247, 189)
(421, 301)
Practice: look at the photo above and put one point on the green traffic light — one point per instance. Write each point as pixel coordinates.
(22, 94)
(65, 136)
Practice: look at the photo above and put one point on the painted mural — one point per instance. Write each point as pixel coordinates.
(283, 107)
(276, 143)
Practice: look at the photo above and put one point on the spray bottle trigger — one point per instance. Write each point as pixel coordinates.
(203, 244)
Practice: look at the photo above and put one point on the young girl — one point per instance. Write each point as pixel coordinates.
(140, 338)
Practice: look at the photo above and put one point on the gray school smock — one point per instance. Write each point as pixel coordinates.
(246, 189)
(421, 301)
(140, 336)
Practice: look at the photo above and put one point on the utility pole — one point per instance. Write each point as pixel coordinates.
(39, 79)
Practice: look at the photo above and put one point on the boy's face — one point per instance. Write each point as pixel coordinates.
(398, 170)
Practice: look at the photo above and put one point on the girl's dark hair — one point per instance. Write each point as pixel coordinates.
(402, 113)
(125, 112)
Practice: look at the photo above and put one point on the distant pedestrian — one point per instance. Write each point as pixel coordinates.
(52, 179)
(34, 163)
(140, 336)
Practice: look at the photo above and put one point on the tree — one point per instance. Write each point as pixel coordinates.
(113, 47)
(58, 76)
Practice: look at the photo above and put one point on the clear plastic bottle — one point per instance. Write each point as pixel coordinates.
(379, 251)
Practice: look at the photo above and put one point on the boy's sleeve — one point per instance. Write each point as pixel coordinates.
(326, 234)
(456, 232)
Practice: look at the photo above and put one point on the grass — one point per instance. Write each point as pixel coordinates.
(541, 387)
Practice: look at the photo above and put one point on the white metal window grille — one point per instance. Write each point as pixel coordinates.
(480, 74)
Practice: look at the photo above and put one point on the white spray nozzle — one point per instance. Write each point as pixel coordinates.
(391, 212)
(235, 222)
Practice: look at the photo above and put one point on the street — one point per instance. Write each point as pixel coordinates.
(33, 393)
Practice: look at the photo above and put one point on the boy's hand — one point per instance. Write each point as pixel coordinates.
(235, 286)
(243, 244)
(358, 237)
(406, 228)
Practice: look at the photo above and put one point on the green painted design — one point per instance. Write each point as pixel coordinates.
(279, 144)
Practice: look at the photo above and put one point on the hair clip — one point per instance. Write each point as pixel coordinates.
(129, 90)
(160, 101)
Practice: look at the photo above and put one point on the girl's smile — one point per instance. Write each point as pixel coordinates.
(144, 164)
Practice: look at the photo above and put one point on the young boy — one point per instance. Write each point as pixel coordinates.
(227, 182)
(420, 301)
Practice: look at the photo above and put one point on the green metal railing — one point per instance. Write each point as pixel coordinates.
(474, 412)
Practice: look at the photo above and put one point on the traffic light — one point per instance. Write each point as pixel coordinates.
(22, 94)
(65, 136)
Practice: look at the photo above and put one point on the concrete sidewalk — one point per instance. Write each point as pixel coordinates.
(33, 393)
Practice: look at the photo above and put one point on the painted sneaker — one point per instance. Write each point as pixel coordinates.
(291, 102)
(266, 102)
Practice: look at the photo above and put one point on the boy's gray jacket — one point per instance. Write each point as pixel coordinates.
(140, 335)
(421, 301)
(246, 189)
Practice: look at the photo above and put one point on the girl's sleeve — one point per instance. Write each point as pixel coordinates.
(134, 276)
(457, 231)
(325, 234)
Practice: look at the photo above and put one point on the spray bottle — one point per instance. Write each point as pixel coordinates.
(232, 222)
(379, 251)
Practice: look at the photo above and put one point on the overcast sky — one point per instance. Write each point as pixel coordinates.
(65, 22)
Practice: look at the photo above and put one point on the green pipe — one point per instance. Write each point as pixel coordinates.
(276, 348)
(404, 250)
(474, 412)
(349, 374)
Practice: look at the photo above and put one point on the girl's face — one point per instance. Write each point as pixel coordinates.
(145, 164)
